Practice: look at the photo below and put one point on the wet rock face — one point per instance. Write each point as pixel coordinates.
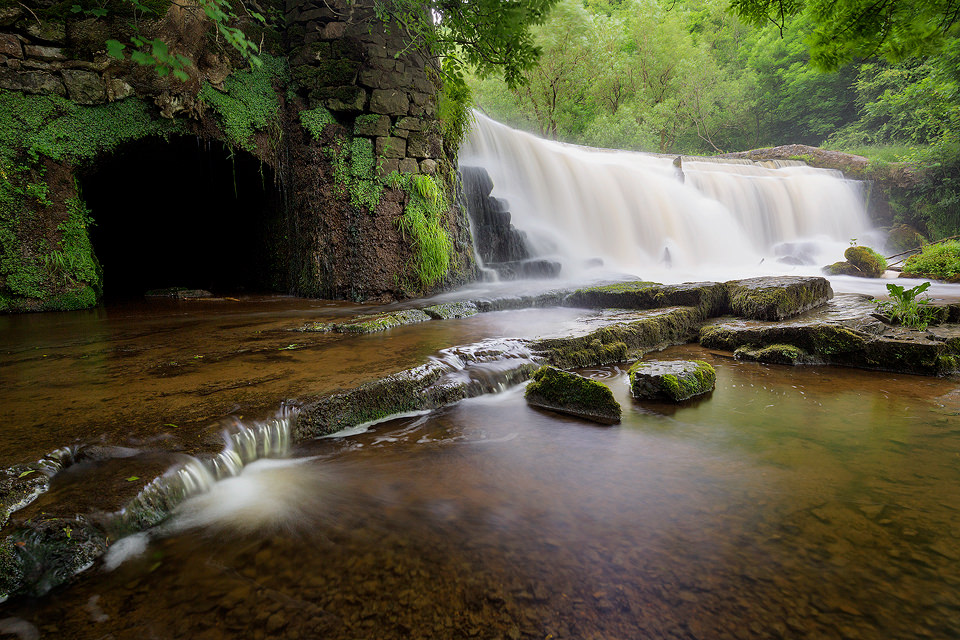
(499, 244)
(777, 298)
(674, 381)
(572, 394)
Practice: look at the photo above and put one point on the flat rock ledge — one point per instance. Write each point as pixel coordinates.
(671, 380)
(572, 394)
(844, 333)
(777, 298)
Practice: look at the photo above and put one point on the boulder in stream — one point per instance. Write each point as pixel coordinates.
(777, 298)
(671, 380)
(572, 394)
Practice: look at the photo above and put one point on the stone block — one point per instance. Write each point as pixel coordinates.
(9, 15)
(372, 125)
(389, 101)
(424, 145)
(412, 124)
(310, 53)
(118, 89)
(333, 30)
(48, 31)
(390, 147)
(386, 166)
(39, 82)
(317, 14)
(428, 167)
(345, 98)
(84, 87)
(372, 78)
(43, 53)
(777, 298)
(409, 165)
(10, 45)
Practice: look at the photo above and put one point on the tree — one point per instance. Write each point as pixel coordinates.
(847, 29)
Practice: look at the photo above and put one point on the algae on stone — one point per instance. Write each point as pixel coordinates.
(674, 381)
(866, 261)
(777, 298)
(572, 394)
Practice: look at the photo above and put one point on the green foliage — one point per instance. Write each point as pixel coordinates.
(905, 308)
(59, 129)
(846, 29)
(940, 261)
(76, 261)
(153, 52)
(453, 108)
(316, 120)
(491, 36)
(355, 171)
(422, 220)
(249, 101)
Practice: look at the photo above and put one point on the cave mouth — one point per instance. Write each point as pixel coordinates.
(185, 212)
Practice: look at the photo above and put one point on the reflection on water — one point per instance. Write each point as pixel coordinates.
(791, 503)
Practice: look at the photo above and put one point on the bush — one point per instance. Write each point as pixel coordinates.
(940, 261)
(870, 263)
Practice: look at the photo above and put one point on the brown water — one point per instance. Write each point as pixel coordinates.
(791, 503)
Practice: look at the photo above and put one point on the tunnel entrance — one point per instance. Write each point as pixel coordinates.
(185, 213)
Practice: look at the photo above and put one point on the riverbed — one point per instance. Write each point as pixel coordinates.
(793, 502)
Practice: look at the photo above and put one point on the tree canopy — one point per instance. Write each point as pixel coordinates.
(848, 29)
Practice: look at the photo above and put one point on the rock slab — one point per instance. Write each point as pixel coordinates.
(673, 381)
(776, 299)
(572, 394)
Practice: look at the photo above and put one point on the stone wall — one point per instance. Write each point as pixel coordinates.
(374, 90)
(350, 68)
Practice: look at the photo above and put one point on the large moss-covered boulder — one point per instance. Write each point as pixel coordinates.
(777, 298)
(708, 297)
(572, 394)
(868, 263)
(674, 381)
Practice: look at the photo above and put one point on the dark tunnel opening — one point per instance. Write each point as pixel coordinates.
(185, 213)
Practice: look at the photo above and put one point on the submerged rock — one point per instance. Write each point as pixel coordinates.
(675, 380)
(774, 354)
(451, 310)
(777, 298)
(572, 394)
(842, 268)
(710, 298)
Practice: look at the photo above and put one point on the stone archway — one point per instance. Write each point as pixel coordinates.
(187, 213)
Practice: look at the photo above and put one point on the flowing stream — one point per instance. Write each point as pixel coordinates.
(793, 502)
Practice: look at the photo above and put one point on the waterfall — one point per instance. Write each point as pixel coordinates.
(638, 213)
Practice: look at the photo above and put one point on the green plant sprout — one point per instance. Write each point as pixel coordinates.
(905, 308)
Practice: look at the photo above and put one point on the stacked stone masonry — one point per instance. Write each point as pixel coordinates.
(34, 59)
(352, 70)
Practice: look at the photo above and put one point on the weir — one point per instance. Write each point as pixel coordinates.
(638, 213)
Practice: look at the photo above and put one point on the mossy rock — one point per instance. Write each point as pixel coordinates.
(382, 322)
(673, 381)
(777, 298)
(19, 486)
(842, 268)
(773, 354)
(572, 394)
(868, 263)
(451, 310)
(710, 298)
(903, 237)
(614, 343)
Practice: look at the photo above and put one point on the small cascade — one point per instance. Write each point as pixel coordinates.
(642, 213)
(243, 444)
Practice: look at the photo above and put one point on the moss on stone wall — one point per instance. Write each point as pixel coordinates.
(46, 259)
(248, 102)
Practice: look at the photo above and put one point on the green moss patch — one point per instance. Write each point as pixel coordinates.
(572, 394)
(673, 381)
(867, 262)
(773, 354)
(777, 298)
(451, 310)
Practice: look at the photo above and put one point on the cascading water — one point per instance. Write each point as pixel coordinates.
(638, 213)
